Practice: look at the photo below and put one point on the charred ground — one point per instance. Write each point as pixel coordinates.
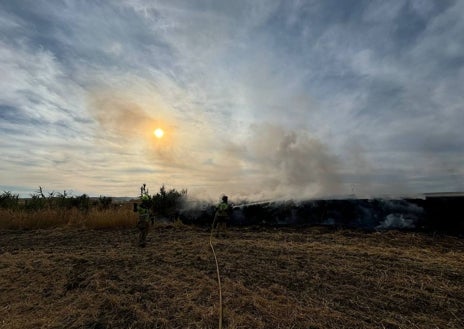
(272, 278)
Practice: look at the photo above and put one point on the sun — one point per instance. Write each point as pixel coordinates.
(158, 132)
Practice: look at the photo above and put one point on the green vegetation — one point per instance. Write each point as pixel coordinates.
(9, 200)
(56, 209)
(61, 209)
(165, 203)
(39, 201)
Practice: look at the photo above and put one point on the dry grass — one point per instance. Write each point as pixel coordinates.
(82, 278)
(53, 218)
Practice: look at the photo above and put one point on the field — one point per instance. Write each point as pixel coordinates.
(312, 278)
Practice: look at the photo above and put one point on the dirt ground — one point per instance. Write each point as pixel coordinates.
(311, 278)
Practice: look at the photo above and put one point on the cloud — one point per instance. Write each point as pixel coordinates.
(262, 98)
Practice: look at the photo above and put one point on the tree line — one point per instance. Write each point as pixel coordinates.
(165, 203)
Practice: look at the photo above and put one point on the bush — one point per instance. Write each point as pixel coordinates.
(166, 204)
(9, 200)
(39, 201)
(104, 202)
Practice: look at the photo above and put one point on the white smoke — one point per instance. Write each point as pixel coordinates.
(266, 162)
(396, 221)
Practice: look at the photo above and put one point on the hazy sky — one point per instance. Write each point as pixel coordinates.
(258, 99)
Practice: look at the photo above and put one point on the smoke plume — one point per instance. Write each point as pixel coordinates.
(265, 162)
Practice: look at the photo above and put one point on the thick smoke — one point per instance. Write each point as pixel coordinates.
(287, 164)
(266, 162)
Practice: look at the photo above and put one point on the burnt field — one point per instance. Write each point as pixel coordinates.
(271, 278)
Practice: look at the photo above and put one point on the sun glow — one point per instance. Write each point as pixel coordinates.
(158, 132)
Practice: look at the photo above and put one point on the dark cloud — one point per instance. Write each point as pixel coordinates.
(10, 114)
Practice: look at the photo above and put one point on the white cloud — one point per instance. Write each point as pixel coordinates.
(265, 98)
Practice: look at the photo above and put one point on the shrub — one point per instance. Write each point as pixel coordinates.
(165, 203)
(9, 200)
(168, 203)
(104, 202)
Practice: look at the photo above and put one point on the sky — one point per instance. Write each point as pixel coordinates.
(259, 99)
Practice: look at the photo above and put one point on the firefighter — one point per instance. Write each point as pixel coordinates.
(144, 220)
(222, 216)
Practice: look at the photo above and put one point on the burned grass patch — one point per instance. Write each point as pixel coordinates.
(312, 278)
